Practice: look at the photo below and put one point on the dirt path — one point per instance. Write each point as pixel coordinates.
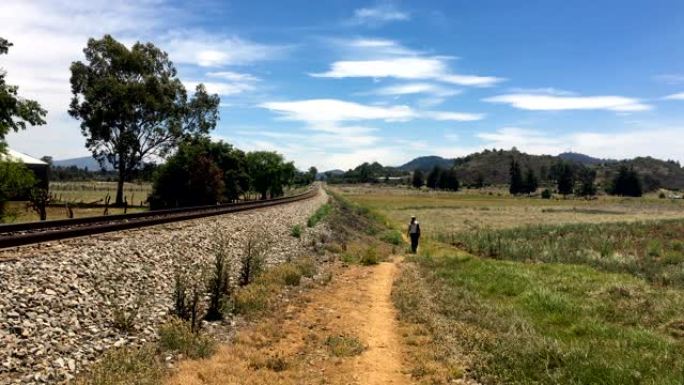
(294, 346)
(381, 363)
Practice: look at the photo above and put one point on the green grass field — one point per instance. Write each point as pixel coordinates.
(543, 292)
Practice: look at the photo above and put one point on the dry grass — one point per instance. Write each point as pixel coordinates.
(442, 211)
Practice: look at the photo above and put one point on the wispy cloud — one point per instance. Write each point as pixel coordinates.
(381, 58)
(677, 96)
(208, 50)
(326, 113)
(539, 102)
(417, 88)
(226, 83)
(412, 68)
(453, 116)
(379, 15)
(333, 110)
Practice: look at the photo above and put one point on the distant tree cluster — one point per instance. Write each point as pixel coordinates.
(439, 178)
(522, 184)
(203, 172)
(418, 179)
(626, 183)
(365, 173)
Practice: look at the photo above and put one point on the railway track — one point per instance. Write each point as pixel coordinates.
(20, 234)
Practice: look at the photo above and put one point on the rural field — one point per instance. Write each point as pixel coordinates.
(84, 198)
(531, 291)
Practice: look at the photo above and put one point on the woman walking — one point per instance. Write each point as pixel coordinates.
(414, 233)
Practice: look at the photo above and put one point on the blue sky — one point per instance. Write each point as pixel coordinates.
(336, 83)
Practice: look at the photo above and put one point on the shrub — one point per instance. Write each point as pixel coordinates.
(296, 231)
(344, 346)
(252, 261)
(177, 336)
(546, 194)
(286, 274)
(307, 266)
(187, 294)
(661, 195)
(252, 300)
(123, 317)
(125, 366)
(369, 257)
(218, 286)
(392, 237)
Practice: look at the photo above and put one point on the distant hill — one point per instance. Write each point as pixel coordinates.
(582, 159)
(427, 163)
(493, 166)
(83, 162)
(323, 175)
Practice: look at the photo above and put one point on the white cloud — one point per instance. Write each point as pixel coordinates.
(470, 80)
(378, 15)
(233, 76)
(677, 96)
(332, 110)
(230, 83)
(208, 50)
(554, 103)
(413, 68)
(326, 114)
(453, 116)
(659, 142)
(417, 88)
(542, 91)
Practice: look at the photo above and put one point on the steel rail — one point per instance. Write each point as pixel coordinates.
(38, 232)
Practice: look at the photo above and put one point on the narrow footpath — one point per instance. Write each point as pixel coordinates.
(343, 333)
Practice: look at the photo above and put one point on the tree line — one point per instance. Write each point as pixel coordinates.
(437, 178)
(134, 110)
(571, 178)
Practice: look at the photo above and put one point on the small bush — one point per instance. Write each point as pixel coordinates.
(177, 336)
(393, 237)
(286, 274)
(369, 257)
(187, 295)
(125, 366)
(344, 346)
(296, 231)
(124, 318)
(546, 194)
(321, 213)
(252, 300)
(252, 261)
(307, 266)
(661, 195)
(219, 286)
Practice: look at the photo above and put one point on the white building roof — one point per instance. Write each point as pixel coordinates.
(16, 156)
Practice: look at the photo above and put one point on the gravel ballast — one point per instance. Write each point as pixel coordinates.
(57, 300)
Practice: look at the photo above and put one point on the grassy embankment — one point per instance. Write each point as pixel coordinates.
(605, 307)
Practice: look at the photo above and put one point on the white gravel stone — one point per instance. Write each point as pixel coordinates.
(56, 299)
